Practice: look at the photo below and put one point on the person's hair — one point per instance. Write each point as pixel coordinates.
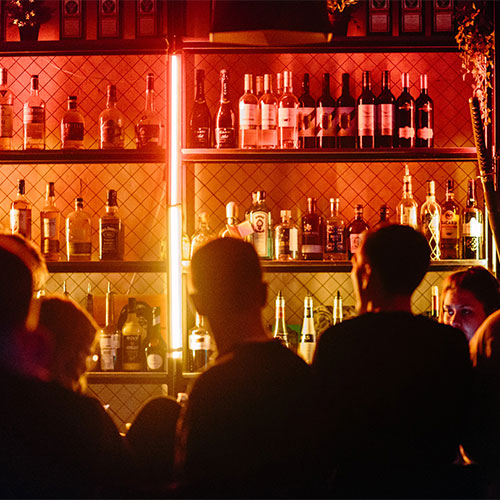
(478, 281)
(226, 274)
(73, 334)
(400, 256)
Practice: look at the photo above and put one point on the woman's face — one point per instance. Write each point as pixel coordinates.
(462, 310)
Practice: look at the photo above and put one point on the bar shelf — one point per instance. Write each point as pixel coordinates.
(127, 377)
(111, 266)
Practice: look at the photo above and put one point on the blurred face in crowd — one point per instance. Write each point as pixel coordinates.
(462, 310)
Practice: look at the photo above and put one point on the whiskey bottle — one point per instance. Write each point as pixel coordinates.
(307, 116)
(107, 336)
(450, 225)
(156, 349)
(111, 123)
(346, 123)
(50, 217)
(386, 115)
(338, 309)
(312, 227)
(78, 234)
(325, 111)
(307, 343)
(430, 221)
(268, 105)
(150, 128)
(355, 231)
(200, 121)
(472, 225)
(72, 126)
(407, 207)
(280, 330)
(20, 213)
(34, 118)
(260, 218)
(288, 105)
(132, 336)
(203, 234)
(111, 230)
(335, 248)
(225, 120)
(6, 112)
(286, 238)
(199, 343)
(424, 116)
(366, 114)
(248, 114)
(405, 115)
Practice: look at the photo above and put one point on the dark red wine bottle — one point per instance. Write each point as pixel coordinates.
(405, 115)
(424, 116)
(346, 123)
(366, 114)
(386, 116)
(307, 116)
(325, 110)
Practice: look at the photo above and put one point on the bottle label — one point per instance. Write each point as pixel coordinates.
(355, 241)
(449, 225)
(72, 131)
(366, 119)
(199, 342)
(306, 348)
(132, 348)
(472, 228)
(334, 239)
(49, 246)
(294, 239)
(268, 116)
(107, 353)
(49, 227)
(346, 121)
(308, 249)
(109, 238)
(79, 248)
(248, 115)
(111, 133)
(406, 132)
(260, 235)
(6, 129)
(154, 361)
(324, 121)
(287, 117)
(409, 217)
(425, 133)
(201, 136)
(34, 114)
(307, 122)
(147, 134)
(386, 117)
(105, 342)
(20, 222)
(225, 137)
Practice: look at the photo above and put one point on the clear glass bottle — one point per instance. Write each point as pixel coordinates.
(450, 225)
(355, 231)
(50, 217)
(6, 112)
(312, 232)
(385, 107)
(200, 120)
(34, 118)
(156, 349)
(132, 337)
(288, 105)
(307, 116)
(111, 122)
(248, 115)
(335, 247)
(279, 85)
(286, 238)
(225, 119)
(407, 208)
(231, 229)
(20, 213)
(149, 130)
(280, 330)
(202, 235)
(366, 114)
(405, 115)
(72, 126)
(338, 309)
(424, 121)
(325, 111)
(268, 105)
(111, 230)
(346, 120)
(200, 345)
(472, 225)
(430, 221)
(78, 234)
(260, 218)
(307, 343)
(107, 336)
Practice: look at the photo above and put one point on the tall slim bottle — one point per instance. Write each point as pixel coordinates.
(6, 112)
(355, 231)
(132, 337)
(472, 225)
(335, 247)
(34, 118)
(199, 343)
(20, 213)
(248, 115)
(325, 111)
(111, 122)
(268, 106)
(288, 104)
(150, 128)
(405, 115)
(407, 207)
(260, 218)
(386, 115)
(259, 86)
(450, 225)
(111, 230)
(366, 114)
(107, 340)
(200, 121)
(280, 330)
(307, 343)
(424, 116)
(225, 120)
(430, 221)
(346, 121)
(307, 116)
(50, 217)
(312, 232)
(78, 234)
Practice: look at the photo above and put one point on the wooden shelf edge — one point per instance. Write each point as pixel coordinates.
(111, 266)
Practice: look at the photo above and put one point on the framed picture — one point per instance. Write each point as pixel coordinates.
(442, 16)
(109, 16)
(379, 17)
(412, 16)
(148, 17)
(72, 19)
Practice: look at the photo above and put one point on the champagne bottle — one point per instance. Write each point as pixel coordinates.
(307, 343)
(405, 115)
(472, 225)
(355, 231)
(132, 335)
(424, 116)
(149, 129)
(450, 225)
(386, 115)
(288, 104)
(312, 232)
(78, 234)
(225, 120)
(72, 126)
(325, 110)
(111, 122)
(346, 121)
(20, 213)
(430, 221)
(111, 230)
(407, 207)
(248, 115)
(6, 112)
(366, 114)
(307, 116)
(50, 217)
(280, 330)
(34, 118)
(199, 343)
(156, 349)
(268, 105)
(335, 248)
(200, 121)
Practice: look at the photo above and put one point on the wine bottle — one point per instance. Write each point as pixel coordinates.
(386, 117)
(335, 248)
(430, 221)
(288, 105)
(34, 118)
(200, 121)
(149, 130)
(366, 114)
(225, 120)
(355, 231)
(50, 217)
(199, 343)
(111, 122)
(346, 122)
(407, 207)
(325, 110)
(111, 230)
(312, 232)
(72, 126)
(280, 331)
(450, 224)
(307, 343)
(424, 116)
(20, 213)
(472, 225)
(107, 342)
(248, 114)
(6, 112)
(268, 105)
(156, 349)
(132, 338)
(307, 116)
(259, 86)
(78, 234)
(405, 115)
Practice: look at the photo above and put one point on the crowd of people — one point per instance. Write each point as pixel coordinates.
(394, 405)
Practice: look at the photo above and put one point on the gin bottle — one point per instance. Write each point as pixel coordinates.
(260, 218)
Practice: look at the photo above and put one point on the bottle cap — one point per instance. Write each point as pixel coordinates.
(131, 304)
(21, 186)
(112, 198)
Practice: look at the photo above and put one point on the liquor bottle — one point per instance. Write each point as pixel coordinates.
(338, 309)
(347, 127)
(385, 105)
(111, 230)
(199, 343)
(405, 115)
(366, 114)
(450, 225)
(150, 128)
(288, 106)
(248, 113)
(335, 248)
(20, 213)
(107, 336)
(325, 111)
(268, 105)
(78, 234)
(231, 229)
(307, 343)
(312, 227)
(111, 123)
(424, 116)
(202, 235)
(434, 303)
(259, 86)
(280, 330)
(89, 300)
(72, 126)
(355, 231)
(34, 118)
(260, 218)
(156, 349)
(407, 207)
(225, 120)
(383, 216)
(307, 116)
(132, 337)
(286, 238)
(430, 221)
(6, 112)
(49, 226)
(200, 121)
(472, 225)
